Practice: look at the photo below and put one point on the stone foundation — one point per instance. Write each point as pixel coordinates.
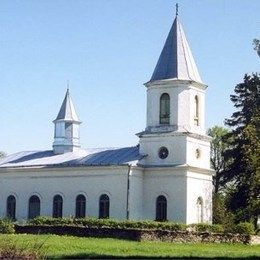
(138, 234)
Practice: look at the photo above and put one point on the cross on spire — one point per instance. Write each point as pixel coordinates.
(177, 9)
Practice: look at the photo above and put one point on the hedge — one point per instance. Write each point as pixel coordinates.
(241, 228)
(202, 227)
(109, 223)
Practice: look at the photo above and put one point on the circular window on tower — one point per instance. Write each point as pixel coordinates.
(197, 153)
(163, 152)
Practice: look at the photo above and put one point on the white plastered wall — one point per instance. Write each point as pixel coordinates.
(203, 147)
(199, 185)
(176, 145)
(182, 149)
(68, 182)
(136, 194)
(200, 129)
(168, 182)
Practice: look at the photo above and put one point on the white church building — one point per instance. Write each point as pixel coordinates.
(167, 176)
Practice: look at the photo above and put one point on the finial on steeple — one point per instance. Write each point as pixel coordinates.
(68, 85)
(177, 9)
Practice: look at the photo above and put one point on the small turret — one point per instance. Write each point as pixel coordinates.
(66, 133)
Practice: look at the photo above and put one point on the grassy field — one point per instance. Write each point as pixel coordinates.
(76, 247)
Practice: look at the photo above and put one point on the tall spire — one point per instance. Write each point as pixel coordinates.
(176, 60)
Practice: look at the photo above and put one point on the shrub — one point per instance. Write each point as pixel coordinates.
(10, 250)
(217, 228)
(43, 220)
(244, 228)
(6, 226)
(203, 227)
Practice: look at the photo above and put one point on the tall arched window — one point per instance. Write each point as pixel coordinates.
(200, 210)
(57, 206)
(165, 109)
(11, 207)
(104, 206)
(161, 208)
(80, 206)
(34, 207)
(196, 112)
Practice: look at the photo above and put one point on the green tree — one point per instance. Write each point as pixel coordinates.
(244, 151)
(2, 154)
(221, 215)
(256, 44)
(218, 146)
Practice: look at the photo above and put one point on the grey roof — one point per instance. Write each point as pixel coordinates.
(89, 157)
(67, 111)
(110, 156)
(176, 60)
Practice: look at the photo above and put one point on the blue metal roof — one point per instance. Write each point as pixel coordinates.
(176, 60)
(67, 111)
(112, 156)
(88, 157)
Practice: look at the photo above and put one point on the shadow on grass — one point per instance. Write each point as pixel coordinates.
(100, 256)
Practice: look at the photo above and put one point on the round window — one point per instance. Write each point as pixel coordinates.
(163, 152)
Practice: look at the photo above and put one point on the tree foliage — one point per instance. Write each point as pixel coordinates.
(221, 215)
(218, 146)
(244, 150)
(256, 44)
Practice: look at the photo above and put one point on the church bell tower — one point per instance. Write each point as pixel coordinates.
(66, 133)
(177, 150)
(175, 126)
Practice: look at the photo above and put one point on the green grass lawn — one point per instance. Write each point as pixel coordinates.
(77, 247)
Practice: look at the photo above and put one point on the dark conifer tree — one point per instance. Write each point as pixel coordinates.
(243, 154)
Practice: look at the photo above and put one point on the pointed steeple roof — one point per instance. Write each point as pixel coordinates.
(67, 111)
(176, 60)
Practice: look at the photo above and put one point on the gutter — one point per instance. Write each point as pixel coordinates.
(128, 191)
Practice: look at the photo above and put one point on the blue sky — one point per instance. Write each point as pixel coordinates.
(107, 49)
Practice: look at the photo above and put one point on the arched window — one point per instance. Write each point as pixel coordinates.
(165, 109)
(200, 210)
(80, 206)
(11, 207)
(34, 207)
(104, 206)
(196, 112)
(161, 208)
(57, 206)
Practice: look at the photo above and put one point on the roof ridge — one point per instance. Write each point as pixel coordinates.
(184, 53)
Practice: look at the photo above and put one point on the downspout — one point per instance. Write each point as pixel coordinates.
(128, 191)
